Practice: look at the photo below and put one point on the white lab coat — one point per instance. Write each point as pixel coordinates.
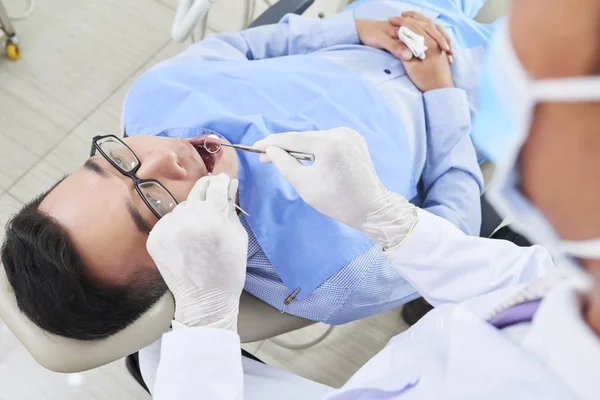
(452, 353)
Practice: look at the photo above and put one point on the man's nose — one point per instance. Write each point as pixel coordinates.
(161, 163)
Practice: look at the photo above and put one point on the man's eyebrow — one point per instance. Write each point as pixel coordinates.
(140, 222)
(95, 167)
(138, 219)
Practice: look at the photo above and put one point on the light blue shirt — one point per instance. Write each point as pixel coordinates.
(437, 125)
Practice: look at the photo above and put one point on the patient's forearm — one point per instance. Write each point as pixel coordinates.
(293, 35)
(452, 178)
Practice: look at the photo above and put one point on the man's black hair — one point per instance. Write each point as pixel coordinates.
(52, 286)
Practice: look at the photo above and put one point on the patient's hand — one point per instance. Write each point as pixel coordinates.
(384, 35)
(433, 72)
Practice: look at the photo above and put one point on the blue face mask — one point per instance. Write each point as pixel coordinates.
(507, 97)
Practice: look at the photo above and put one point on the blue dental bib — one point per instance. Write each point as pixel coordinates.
(245, 101)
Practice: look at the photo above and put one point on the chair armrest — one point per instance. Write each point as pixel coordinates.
(279, 9)
(259, 321)
(490, 219)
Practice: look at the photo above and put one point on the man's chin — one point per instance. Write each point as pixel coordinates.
(224, 170)
(227, 164)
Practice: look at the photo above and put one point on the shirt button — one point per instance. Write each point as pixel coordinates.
(387, 71)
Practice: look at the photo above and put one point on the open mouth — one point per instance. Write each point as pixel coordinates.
(209, 158)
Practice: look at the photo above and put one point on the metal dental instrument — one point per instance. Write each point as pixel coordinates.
(241, 210)
(213, 144)
(296, 154)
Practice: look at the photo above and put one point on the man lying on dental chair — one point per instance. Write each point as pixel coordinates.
(76, 256)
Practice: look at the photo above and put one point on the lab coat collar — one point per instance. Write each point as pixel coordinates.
(561, 338)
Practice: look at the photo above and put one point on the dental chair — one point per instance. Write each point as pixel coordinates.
(191, 17)
(257, 320)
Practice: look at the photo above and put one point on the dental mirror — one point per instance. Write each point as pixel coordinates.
(212, 144)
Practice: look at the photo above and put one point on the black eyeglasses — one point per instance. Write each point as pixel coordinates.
(158, 199)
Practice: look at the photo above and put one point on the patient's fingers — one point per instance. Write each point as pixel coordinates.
(436, 35)
(392, 31)
(433, 31)
(218, 191)
(449, 40)
(198, 192)
(396, 21)
(426, 24)
(411, 24)
(446, 35)
(416, 15)
(398, 48)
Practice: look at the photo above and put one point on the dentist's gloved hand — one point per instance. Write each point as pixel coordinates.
(342, 182)
(200, 250)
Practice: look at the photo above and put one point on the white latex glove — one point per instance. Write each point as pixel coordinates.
(342, 182)
(200, 249)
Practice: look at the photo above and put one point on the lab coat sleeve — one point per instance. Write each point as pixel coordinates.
(447, 266)
(200, 363)
(294, 34)
(452, 180)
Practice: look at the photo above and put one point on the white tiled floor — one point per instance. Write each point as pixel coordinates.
(79, 58)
